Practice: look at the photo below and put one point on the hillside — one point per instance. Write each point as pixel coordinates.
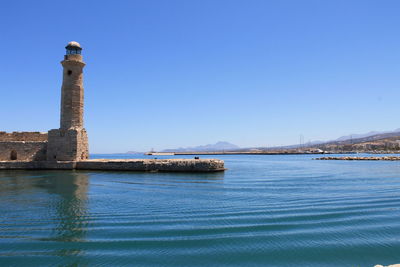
(219, 146)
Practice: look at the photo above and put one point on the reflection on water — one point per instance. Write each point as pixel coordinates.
(58, 198)
(71, 206)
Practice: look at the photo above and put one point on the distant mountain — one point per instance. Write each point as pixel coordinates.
(379, 136)
(348, 139)
(359, 136)
(219, 146)
(133, 152)
(343, 140)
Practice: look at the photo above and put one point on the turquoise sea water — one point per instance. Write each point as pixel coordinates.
(263, 211)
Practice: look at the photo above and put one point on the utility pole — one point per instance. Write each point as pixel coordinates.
(301, 140)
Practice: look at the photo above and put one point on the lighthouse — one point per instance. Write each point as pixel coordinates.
(72, 88)
(70, 142)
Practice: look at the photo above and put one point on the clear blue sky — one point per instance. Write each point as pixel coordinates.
(164, 74)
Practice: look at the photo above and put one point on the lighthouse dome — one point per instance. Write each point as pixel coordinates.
(73, 48)
(73, 44)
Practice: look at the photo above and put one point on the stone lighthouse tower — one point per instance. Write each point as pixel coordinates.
(70, 142)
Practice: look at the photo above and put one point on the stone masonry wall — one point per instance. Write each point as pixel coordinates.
(67, 145)
(72, 92)
(149, 165)
(25, 151)
(23, 136)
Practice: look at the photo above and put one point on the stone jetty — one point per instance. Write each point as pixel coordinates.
(142, 165)
(391, 158)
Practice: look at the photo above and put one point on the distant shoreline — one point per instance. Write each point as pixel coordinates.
(390, 158)
(267, 153)
(228, 153)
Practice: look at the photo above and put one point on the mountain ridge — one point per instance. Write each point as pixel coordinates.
(219, 146)
(346, 139)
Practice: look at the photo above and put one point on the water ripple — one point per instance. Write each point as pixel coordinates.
(264, 211)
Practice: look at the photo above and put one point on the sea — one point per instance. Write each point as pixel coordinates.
(264, 210)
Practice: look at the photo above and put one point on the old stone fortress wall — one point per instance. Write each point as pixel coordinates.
(30, 146)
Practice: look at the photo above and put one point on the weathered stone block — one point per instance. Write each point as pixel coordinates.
(67, 145)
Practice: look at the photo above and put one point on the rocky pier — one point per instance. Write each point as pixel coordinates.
(141, 165)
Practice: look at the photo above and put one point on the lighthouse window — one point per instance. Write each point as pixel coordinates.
(72, 51)
(69, 72)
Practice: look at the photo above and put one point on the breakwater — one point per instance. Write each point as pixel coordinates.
(143, 165)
